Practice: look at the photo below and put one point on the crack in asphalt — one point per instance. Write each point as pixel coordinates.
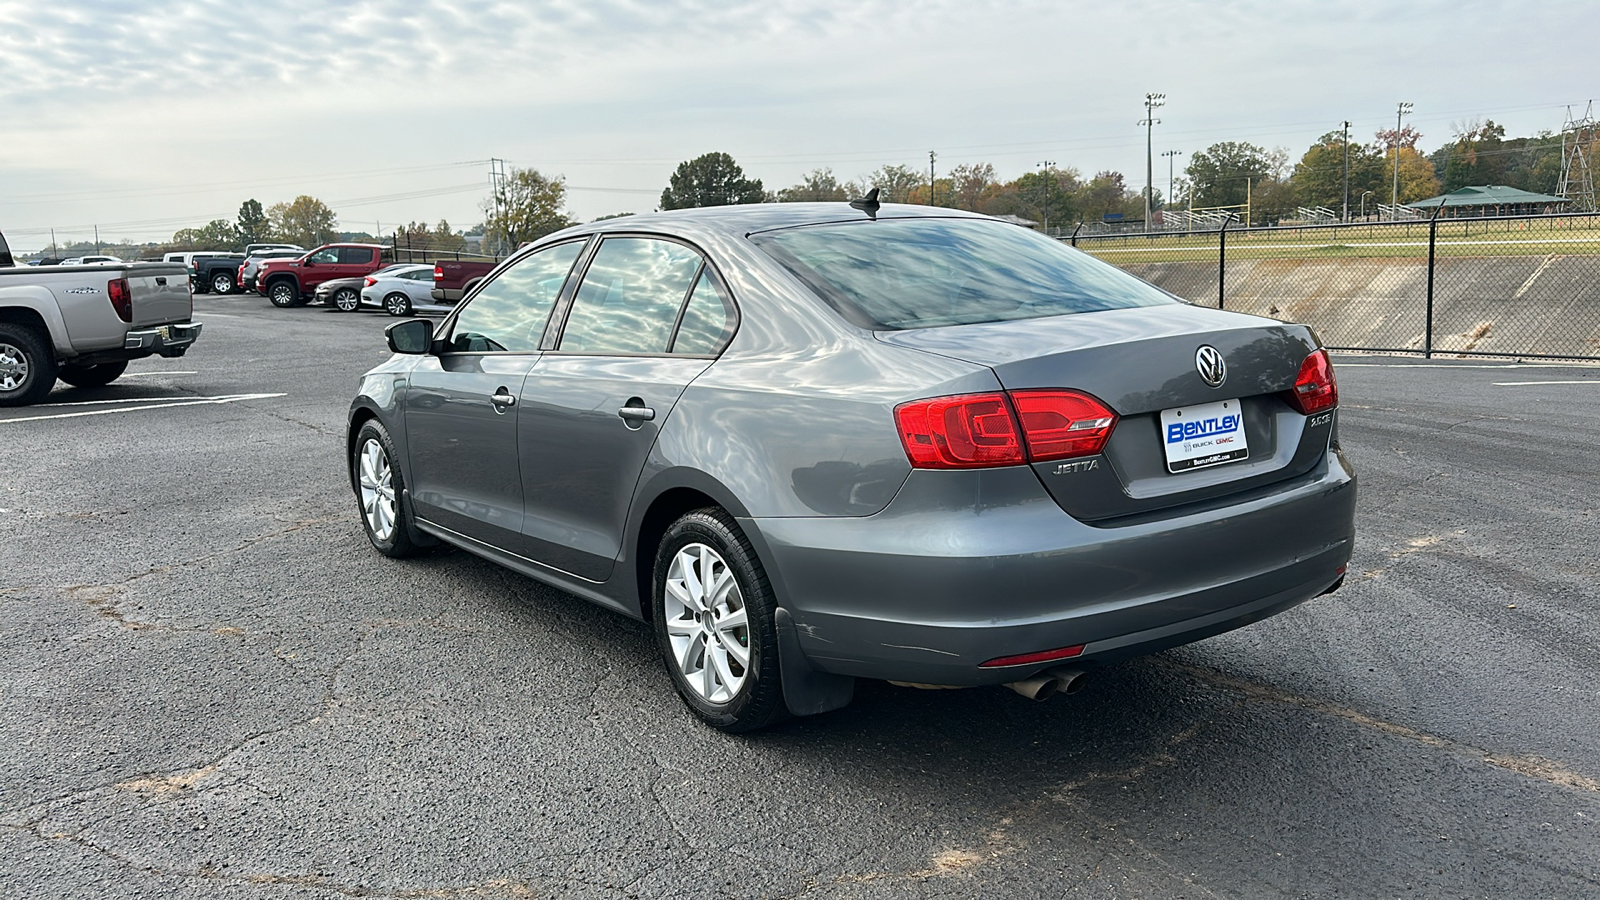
(1533, 767)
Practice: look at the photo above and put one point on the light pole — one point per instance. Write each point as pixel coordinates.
(1152, 102)
(1344, 216)
(1044, 209)
(931, 158)
(1364, 196)
(1404, 109)
(1170, 155)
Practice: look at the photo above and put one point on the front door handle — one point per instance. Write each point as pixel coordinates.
(637, 413)
(503, 400)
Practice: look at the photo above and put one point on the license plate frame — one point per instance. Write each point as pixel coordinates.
(1203, 435)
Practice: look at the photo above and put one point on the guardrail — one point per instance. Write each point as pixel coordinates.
(1511, 286)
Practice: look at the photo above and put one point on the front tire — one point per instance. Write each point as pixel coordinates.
(713, 611)
(397, 304)
(27, 366)
(284, 293)
(379, 489)
(92, 376)
(346, 300)
(222, 283)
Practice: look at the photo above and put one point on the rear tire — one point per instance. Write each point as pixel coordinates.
(92, 376)
(284, 293)
(397, 304)
(713, 613)
(346, 300)
(27, 366)
(223, 283)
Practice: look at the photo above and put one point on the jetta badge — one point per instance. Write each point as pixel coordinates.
(1208, 362)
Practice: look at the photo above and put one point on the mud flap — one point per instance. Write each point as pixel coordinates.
(805, 690)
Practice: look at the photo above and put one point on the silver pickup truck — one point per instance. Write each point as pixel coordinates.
(82, 324)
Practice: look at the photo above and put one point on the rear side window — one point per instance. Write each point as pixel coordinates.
(355, 256)
(510, 312)
(630, 297)
(707, 319)
(892, 274)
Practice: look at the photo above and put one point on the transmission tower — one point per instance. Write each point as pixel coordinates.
(1579, 142)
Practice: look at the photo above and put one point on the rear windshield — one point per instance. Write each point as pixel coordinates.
(894, 274)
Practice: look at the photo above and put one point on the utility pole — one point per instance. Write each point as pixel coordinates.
(1404, 109)
(931, 158)
(497, 184)
(1152, 102)
(97, 239)
(1345, 215)
(1169, 154)
(1044, 207)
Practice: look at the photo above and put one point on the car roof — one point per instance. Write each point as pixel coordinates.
(749, 218)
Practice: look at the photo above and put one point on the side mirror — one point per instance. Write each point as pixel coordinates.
(309, 263)
(411, 336)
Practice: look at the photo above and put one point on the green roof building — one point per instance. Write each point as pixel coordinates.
(1491, 200)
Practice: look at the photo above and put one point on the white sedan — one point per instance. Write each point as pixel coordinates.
(402, 290)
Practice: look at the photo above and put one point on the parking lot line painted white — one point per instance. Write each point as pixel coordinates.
(195, 401)
(1520, 383)
(130, 400)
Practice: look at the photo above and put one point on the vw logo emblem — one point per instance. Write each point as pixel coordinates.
(1208, 362)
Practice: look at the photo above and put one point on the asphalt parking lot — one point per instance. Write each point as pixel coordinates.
(213, 687)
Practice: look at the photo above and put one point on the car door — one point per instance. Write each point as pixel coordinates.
(418, 285)
(649, 316)
(461, 409)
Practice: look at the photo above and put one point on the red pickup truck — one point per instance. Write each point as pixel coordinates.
(292, 282)
(453, 278)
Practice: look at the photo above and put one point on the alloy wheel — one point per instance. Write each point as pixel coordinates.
(347, 300)
(13, 367)
(707, 623)
(377, 490)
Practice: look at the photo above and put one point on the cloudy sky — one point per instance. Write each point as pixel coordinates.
(145, 117)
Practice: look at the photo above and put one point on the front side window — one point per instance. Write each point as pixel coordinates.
(325, 257)
(510, 312)
(630, 297)
(916, 273)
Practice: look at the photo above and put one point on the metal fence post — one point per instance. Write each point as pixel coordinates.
(1075, 234)
(1222, 260)
(1433, 240)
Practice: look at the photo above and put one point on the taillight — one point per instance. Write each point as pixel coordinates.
(371, 281)
(438, 273)
(1314, 388)
(1062, 424)
(972, 431)
(121, 294)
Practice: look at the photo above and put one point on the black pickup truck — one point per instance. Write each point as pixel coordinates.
(216, 273)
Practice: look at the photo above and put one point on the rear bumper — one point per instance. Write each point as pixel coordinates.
(967, 567)
(168, 340)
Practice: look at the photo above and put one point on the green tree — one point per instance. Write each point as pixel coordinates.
(1224, 173)
(218, 234)
(252, 226)
(895, 184)
(1107, 193)
(972, 184)
(818, 185)
(527, 206)
(1054, 195)
(1319, 175)
(713, 179)
(306, 221)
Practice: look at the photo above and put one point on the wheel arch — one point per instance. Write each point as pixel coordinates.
(671, 495)
(39, 315)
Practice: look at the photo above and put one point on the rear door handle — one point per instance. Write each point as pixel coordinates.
(503, 400)
(161, 280)
(637, 413)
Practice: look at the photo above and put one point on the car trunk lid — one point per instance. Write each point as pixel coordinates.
(1143, 362)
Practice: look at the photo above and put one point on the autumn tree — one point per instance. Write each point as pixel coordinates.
(1417, 178)
(713, 179)
(1319, 175)
(306, 221)
(525, 207)
(818, 185)
(971, 185)
(252, 226)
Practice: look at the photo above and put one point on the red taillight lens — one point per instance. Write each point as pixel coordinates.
(121, 295)
(1043, 656)
(371, 281)
(438, 273)
(965, 432)
(1062, 424)
(978, 430)
(1314, 388)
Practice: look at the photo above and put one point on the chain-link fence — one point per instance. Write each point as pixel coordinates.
(1521, 286)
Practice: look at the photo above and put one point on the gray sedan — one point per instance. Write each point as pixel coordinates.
(811, 443)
